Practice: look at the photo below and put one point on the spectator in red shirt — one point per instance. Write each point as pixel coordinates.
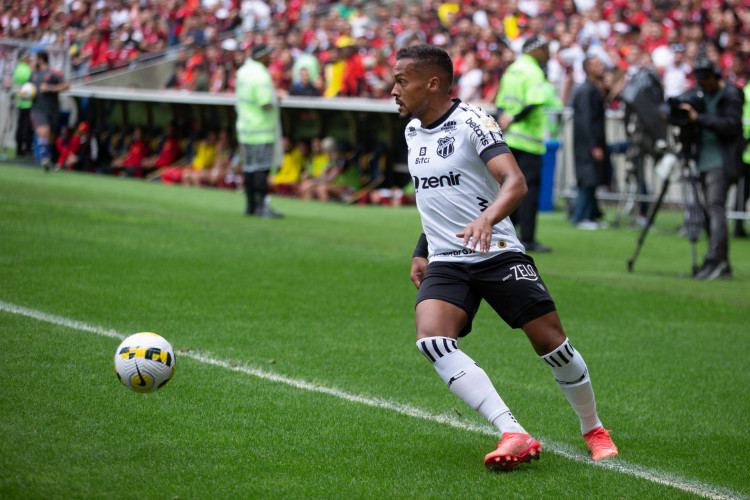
(178, 80)
(67, 147)
(85, 155)
(168, 154)
(354, 72)
(133, 161)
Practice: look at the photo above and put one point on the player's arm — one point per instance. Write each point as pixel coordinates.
(419, 261)
(512, 190)
(60, 87)
(56, 85)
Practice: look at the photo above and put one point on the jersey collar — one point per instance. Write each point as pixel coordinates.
(440, 120)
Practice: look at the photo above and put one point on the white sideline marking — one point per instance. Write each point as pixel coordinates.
(619, 465)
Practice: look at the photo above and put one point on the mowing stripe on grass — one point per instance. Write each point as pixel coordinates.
(694, 487)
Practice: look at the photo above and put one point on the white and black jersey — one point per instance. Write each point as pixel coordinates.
(447, 162)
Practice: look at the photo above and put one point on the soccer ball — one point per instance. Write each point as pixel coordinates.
(144, 362)
(27, 91)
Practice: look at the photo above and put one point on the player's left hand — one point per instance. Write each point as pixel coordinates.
(477, 233)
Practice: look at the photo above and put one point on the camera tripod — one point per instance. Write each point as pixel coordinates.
(680, 165)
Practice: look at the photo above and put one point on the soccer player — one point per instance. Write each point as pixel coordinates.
(467, 184)
(45, 111)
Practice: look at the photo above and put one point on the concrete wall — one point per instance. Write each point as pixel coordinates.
(152, 75)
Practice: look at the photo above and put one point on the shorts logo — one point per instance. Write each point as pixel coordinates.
(525, 272)
(445, 147)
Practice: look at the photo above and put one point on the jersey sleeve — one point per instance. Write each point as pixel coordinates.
(55, 77)
(486, 136)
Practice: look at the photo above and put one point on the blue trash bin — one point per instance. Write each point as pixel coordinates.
(547, 187)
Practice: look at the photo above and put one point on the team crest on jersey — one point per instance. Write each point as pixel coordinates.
(445, 147)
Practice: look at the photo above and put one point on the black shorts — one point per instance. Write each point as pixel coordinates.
(509, 283)
(41, 117)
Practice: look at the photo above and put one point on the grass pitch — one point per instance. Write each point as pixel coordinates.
(297, 373)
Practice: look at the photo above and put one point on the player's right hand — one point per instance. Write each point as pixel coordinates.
(418, 268)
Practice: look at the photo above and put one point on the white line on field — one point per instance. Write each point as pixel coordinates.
(619, 465)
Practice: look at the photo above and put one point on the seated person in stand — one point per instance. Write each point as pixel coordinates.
(86, 158)
(167, 156)
(234, 177)
(340, 180)
(205, 156)
(133, 160)
(223, 162)
(288, 176)
(66, 145)
(318, 163)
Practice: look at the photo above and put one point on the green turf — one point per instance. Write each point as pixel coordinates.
(323, 297)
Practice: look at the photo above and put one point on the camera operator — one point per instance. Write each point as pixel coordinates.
(719, 149)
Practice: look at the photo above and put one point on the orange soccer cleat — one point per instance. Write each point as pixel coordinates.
(515, 448)
(600, 444)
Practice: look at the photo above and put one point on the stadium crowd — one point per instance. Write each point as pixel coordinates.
(347, 48)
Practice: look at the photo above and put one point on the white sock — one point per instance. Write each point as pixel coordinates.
(572, 376)
(468, 381)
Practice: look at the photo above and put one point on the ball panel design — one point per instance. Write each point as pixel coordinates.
(144, 362)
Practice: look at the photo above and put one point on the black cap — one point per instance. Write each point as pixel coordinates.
(704, 68)
(261, 50)
(534, 42)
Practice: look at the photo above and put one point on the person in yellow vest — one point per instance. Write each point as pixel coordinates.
(520, 101)
(258, 129)
(24, 130)
(743, 184)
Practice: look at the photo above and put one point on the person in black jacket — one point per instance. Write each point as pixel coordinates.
(719, 155)
(592, 162)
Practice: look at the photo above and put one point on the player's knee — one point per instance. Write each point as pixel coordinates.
(567, 364)
(435, 348)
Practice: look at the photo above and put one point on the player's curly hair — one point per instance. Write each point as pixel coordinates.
(430, 55)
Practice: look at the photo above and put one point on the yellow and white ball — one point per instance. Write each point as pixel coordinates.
(27, 91)
(144, 362)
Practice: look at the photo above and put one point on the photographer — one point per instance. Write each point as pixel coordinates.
(718, 155)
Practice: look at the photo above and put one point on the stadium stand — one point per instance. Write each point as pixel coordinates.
(347, 48)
